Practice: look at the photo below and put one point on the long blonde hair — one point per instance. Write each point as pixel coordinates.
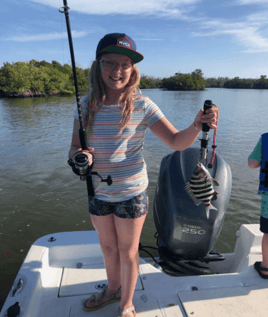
(97, 95)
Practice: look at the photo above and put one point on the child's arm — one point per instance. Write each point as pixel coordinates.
(254, 160)
(253, 163)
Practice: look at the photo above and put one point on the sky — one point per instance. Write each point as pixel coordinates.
(223, 38)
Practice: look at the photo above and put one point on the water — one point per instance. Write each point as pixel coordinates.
(39, 194)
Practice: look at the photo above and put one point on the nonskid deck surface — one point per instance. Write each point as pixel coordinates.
(158, 295)
(77, 284)
(91, 278)
(149, 307)
(243, 301)
(60, 276)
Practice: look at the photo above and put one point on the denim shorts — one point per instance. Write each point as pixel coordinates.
(264, 224)
(132, 208)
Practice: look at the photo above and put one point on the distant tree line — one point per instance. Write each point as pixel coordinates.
(34, 78)
(193, 81)
(149, 82)
(240, 83)
(196, 81)
(216, 82)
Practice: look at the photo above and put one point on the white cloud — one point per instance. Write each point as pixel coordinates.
(46, 37)
(253, 40)
(243, 2)
(130, 7)
(251, 33)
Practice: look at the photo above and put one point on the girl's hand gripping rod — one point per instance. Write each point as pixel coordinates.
(204, 141)
(80, 164)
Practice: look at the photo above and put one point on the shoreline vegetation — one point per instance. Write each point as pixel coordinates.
(40, 79)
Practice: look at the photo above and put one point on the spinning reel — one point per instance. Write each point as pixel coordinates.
(81, 167)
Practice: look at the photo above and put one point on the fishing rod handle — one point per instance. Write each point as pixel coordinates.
(83, 139)
(207, 105)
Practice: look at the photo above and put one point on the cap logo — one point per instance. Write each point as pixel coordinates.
(124, 42)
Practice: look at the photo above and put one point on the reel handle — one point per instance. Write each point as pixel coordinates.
(207, 105)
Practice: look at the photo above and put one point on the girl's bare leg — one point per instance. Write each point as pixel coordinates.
(105, 227)
(128, 235)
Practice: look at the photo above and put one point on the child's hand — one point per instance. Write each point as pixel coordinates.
(87, 153)
(253, 163)
(210, 117)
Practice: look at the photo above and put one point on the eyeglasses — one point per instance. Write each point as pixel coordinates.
(110, 66)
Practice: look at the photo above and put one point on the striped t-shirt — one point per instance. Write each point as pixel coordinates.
(121, 156)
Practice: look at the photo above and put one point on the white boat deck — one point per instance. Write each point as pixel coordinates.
(58, 276)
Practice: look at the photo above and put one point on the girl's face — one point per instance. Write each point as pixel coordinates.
(116, 70)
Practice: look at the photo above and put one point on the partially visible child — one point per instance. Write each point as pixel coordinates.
(259, 158)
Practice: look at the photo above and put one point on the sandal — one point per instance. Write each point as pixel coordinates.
(95, 299)
(259, 268)
(124, 313)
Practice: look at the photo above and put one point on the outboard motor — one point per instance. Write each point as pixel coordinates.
(185, 234)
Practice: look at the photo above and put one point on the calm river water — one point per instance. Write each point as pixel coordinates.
(39, 194)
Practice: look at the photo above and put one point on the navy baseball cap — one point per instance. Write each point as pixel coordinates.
(119, 43)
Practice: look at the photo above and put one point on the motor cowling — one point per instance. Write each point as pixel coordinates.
(182, 226)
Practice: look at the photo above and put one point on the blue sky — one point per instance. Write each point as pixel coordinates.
(221, 37)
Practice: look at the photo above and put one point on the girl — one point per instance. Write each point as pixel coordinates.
(116, 118)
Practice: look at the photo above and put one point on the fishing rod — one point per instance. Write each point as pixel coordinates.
(80, 164)
(204, 141)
